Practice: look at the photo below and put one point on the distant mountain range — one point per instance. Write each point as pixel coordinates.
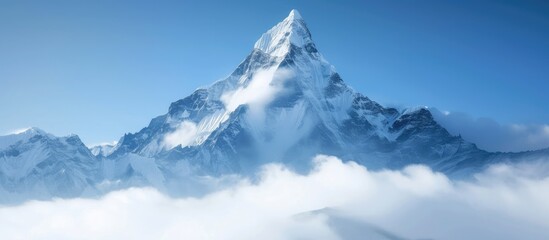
(283, 103)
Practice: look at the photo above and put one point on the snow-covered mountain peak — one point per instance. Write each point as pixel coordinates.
(21, 135)
(294, 14)
(284, 82)
(36, 164)
(286, 103)
(29, 131)
(279, 39)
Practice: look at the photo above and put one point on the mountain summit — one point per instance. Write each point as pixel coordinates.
(283, 103)
(279, 39)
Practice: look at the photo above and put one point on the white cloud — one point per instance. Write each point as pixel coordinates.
(493, 136)
(18, 131)
(260, 91)
(352, 202)
(113, 143)
(184, 135)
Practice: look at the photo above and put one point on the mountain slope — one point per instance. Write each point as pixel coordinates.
(38, 165)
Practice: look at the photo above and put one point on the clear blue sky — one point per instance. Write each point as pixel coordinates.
(103, 68)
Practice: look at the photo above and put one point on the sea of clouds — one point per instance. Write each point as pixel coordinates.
(335, 200)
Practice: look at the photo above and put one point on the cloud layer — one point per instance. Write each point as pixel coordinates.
(493, 136)
(184, 134)
(335, 200)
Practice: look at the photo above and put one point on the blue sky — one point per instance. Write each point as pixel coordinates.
(103, 68)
